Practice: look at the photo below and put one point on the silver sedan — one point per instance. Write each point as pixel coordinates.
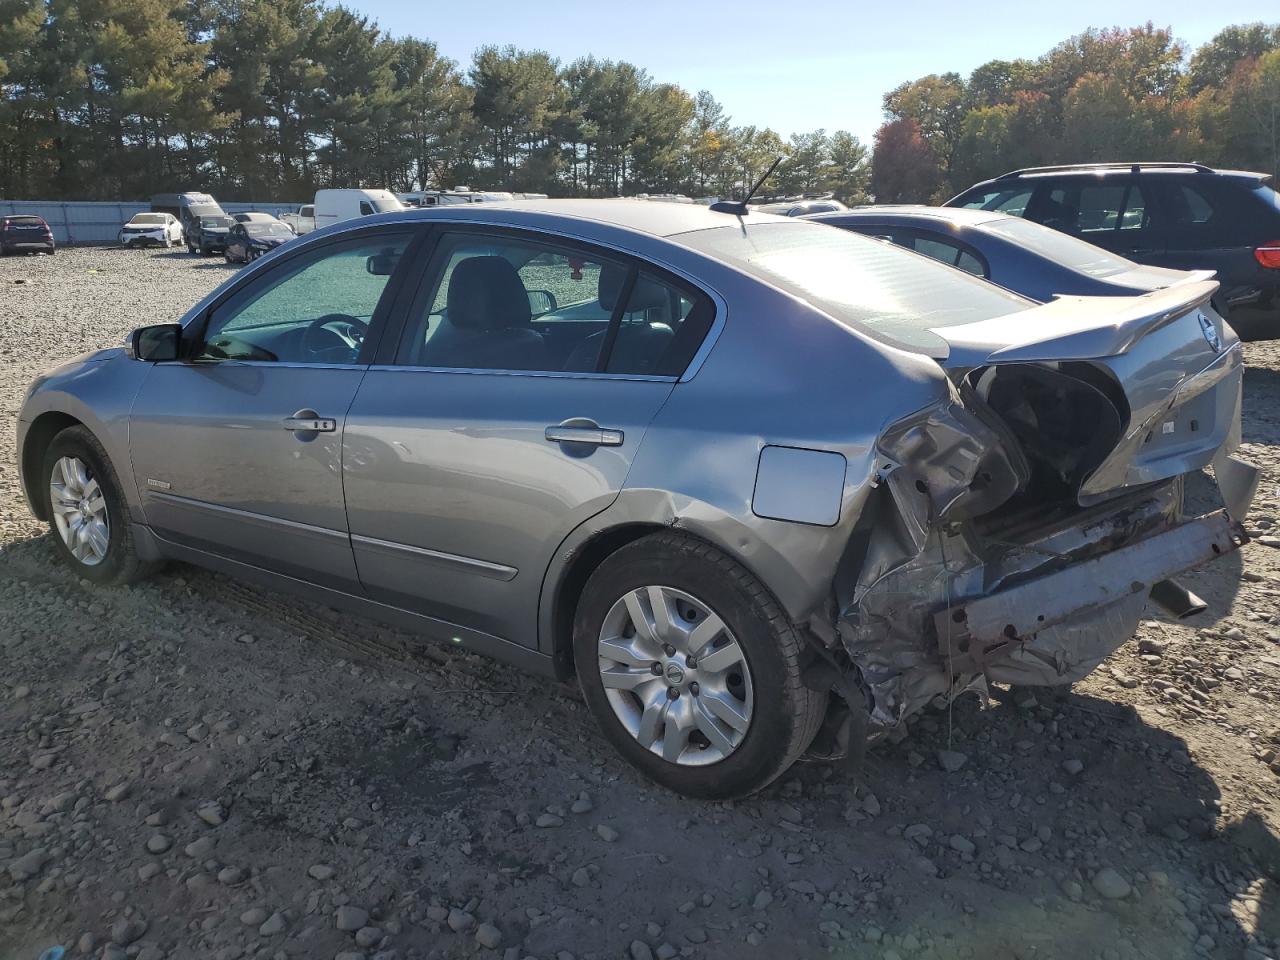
(754, 480)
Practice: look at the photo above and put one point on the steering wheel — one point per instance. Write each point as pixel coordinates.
(334, 338)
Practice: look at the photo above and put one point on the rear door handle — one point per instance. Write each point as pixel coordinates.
(311, 424)
(596, 436)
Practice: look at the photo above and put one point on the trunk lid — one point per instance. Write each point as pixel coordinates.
(1073, 328)
(1169, 367)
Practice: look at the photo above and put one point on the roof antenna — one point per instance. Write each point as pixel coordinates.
(739, 207)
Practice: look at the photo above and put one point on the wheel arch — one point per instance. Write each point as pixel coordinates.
(36, 442)
(572, 577)
(797, 587)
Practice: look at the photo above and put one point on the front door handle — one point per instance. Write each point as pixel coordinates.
(310, 424)
(583, 433)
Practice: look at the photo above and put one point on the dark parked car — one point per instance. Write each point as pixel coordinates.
(248, 241)
(799, 207)
(25, 234)
(1025, 257)
(209, 235)
(1180, 215)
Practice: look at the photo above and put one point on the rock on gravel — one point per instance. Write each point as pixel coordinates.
(488, 936)
(350, 918)
(1110, 885)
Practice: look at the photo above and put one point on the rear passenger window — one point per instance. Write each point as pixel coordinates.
(951, 254)
(970, 264)
(1099, 208)
(660, 331)
(1094, 210)
(511, 304)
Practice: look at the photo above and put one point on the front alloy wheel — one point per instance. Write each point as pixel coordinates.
(79, 510)
(675, 676)
(87, 513)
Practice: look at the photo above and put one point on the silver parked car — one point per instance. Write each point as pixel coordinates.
(741, 473)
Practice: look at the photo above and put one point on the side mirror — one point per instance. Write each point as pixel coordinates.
(155, 344)
(382, 264)
(541, 301)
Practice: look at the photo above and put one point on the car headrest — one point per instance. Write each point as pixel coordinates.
(646, 295)
(485, 293)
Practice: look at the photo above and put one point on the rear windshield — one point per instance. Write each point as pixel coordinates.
(24, 221)
(149, 218)
(1061, 248)
(260, 228)
(872, 286)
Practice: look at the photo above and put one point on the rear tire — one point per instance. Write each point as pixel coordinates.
(737, 727)
(77, 465)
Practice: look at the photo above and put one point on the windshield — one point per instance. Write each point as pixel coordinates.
(871, 286)
(1061, 248)
(259, 229)
(148, 218)
(209, 222)
(204, 210)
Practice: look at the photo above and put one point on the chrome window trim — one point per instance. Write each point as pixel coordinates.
(427, 218)
(485, 568)
(268, 364)
(558, 374)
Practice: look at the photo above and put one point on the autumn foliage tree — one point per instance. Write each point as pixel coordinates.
(905, 168)
(1104, 95)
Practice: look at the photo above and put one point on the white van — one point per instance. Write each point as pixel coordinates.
(333, 206)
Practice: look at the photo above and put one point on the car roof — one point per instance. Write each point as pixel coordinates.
(1122, 170)
(656, 219)
(905, 213)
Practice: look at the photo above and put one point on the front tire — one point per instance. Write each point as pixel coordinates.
(692, 669)
(88, 517)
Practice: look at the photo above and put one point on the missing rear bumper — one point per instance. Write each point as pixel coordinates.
(981, 634)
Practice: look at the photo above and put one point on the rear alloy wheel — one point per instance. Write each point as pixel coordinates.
(675, 676)
(87, 513)
(692, 669)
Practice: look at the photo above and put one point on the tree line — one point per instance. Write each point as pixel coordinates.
(266, 99)
(1104, 95)
(272, 99)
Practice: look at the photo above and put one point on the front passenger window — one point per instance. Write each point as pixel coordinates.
(313, 308)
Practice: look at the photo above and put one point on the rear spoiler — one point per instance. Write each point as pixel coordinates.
(1195, 276)
(1071, 328)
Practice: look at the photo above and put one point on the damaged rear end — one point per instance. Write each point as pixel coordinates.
(1018, 528)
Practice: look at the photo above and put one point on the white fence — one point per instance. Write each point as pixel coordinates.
(76, 222)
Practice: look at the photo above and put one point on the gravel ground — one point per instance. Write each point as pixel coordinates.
(195, 768)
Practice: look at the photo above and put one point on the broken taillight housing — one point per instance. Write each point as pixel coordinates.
(1269, 255)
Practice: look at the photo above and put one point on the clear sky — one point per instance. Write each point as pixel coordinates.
(794, 65)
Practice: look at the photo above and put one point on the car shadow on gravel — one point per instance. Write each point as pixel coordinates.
(1057, 788)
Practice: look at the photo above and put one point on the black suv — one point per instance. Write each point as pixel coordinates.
(1181, 215)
